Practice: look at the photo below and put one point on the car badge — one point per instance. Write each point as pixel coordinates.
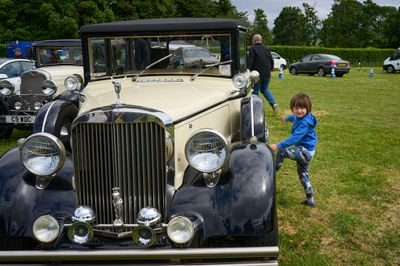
(117, 202)
(117, 88)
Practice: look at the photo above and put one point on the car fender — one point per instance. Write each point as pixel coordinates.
(255, 104)
(22, 202)
(243, 201)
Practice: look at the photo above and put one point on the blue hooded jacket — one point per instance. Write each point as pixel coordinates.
(303, 132)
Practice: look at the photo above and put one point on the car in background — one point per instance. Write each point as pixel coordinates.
(163, 165)
(57, 70)
(192, 57)
(392, 63)
(10, 71)
(320, 64)
(278, 61)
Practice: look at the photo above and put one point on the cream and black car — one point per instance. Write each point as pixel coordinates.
(57, 73)
(164, 163)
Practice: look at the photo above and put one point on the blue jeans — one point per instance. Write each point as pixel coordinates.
(263, 84)
(303, 158)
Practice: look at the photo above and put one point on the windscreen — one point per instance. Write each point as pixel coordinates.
(185, 54)
(59, 55)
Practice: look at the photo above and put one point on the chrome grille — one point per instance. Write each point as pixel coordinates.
(126, 155)
(31, 82)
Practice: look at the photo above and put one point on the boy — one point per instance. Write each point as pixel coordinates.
(304, 139)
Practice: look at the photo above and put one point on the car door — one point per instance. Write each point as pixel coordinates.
(314, 63)
(303, 67)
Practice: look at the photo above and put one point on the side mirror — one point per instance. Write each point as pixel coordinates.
(3, 76)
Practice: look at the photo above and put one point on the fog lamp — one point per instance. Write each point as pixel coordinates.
(239, 81)
(80, 233)
(17, 105)
(144, 236)
(180, 229)
(37, 106)
(148, 216)
(46, 228)
(83, 214)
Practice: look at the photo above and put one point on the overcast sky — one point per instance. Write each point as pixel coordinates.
(272, 8)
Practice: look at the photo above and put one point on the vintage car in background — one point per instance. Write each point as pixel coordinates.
(320, 64)
(58, 71)
(162, 164)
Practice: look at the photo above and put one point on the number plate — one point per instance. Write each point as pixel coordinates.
(20, 119)
(341, 64)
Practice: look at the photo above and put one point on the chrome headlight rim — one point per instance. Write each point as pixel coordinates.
(7, 88)
(74, 79)
(74, 238)
(177, 238)
(49, 87)
(142, 241)
(56, 141)
(224, 141)
(239, 81)
(51, 223)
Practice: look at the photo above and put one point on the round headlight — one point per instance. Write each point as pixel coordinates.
(144, 236)
(254, 76)
(46, 228)
(6, 87)
(49, 87)
(80, 233)
(207, 150)
(17, 105)
(72, 82)
(239, 81)
(180, 229)
(37, 106)
(42, 154)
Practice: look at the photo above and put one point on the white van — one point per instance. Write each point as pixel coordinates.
(391, 64)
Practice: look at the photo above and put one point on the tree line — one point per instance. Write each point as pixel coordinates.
(349, 24)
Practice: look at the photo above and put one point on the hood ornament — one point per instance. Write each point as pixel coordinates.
(117, 88)
(117, 202)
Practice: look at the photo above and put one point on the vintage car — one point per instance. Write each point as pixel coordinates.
(58, 71)
(161, 165)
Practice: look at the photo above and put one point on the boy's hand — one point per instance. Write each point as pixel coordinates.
(274, 147)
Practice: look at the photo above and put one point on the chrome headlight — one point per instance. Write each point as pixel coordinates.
(42, 154)
(180, 229)
(72, 82)
(80, 233)
(148, 216)
(239, 81)
(49, 87)
(6, 87)
(144, 236)
(46, 228)
(254, 76)
(207, 150)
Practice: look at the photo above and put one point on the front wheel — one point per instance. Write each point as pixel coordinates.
(321, 72)
(293, 71)
(339, 75)
(390, 69)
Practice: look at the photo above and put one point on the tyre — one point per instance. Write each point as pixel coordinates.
(62, 129)
(321, 71)
(339, 75)
(293, 71)
(390, 69)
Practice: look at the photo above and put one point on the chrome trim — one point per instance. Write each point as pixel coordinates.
(173, 254)
(46, 115)
(160, 80)
(124, 114)
(117, 203)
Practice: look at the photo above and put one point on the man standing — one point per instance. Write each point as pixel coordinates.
(18, 53)
(260, 59)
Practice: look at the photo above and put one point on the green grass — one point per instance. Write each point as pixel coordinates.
(355, 172)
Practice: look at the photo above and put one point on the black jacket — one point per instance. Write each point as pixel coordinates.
(260, 59)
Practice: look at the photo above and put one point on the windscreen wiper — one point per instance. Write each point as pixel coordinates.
(149, 66)
(210, 66)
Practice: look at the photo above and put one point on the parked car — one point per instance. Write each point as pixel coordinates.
(320, 64)
(392, 63)
(58, 71)
(164, 165)
(278, 61)
(192, 57)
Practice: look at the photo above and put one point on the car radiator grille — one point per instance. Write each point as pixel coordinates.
(126, 155)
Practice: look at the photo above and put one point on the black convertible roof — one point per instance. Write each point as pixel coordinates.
(163, 24)
(61, 42)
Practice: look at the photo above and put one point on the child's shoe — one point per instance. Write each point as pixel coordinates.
(310, 203)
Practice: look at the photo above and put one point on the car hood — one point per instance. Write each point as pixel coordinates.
(60, 72)
(177, 99)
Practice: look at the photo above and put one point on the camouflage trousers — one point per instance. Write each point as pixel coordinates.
(303, 157)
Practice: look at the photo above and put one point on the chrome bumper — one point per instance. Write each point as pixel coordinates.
(266, 255)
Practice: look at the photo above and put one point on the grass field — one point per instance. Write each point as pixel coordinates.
(355, 172)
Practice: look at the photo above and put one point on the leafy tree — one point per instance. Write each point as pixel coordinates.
(260, 26)
(289, 27)
(311, 25)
